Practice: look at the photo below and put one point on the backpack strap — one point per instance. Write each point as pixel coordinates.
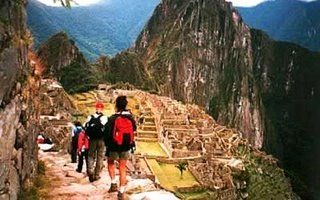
(100, 116)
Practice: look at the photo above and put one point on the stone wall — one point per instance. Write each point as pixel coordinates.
(18, 102)
(18, 149)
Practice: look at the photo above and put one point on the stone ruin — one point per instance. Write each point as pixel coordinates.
(56, 110)
(186, 133)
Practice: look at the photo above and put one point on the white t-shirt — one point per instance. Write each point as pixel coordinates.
(103, 119)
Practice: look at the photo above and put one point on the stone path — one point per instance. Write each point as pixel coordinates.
(64, 183)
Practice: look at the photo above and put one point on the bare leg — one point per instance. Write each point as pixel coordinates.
(111, 169)
(123, 172)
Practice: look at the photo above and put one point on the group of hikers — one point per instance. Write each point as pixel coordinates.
(102, 136)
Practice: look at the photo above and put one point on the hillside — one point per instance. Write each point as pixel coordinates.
(62, 60)
(202, 52)
(287, 20)
(194, 51)
(105, 28)
(221, 165)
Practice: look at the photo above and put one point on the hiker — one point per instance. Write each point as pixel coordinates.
(94, 129)
(83, 148)
(74, 140)
(119, 141)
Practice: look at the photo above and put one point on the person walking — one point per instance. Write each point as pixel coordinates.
(119, 140)
(83, 148)
(74, 140)
(94, 129)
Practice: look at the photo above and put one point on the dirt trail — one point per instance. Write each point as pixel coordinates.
(64, 183)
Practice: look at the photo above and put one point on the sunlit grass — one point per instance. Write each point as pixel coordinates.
(150, 148)
(169, 176)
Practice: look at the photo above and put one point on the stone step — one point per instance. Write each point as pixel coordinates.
(148, 127)
(180, 126)
(173, 122)
(147, 109)
(149, 119)
(147, 134)
(149, 124)
(144, 139)
(183, 130)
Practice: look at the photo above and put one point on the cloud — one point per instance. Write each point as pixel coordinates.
(76, 2)
(250, 3)
(245, 3)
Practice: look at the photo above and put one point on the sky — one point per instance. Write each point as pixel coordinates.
(77, 2)
(242, 3)
(250, 3)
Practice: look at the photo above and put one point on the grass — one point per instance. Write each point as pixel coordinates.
(35, 191)
(150, 148)
(86, 106)
(198, 195)
(169, 176)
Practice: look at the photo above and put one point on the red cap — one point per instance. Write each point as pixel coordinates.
(99, 105)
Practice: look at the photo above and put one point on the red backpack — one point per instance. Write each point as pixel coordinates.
(123, 134)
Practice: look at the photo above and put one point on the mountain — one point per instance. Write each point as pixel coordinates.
(201, 51)
(287, 20)
(105, 28)
(62, 60)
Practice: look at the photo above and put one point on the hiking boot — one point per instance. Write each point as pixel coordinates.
(113, 188)
(91, 178)
(120, 196)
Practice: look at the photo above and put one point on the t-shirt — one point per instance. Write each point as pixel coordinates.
(103, 119)
(75, 130)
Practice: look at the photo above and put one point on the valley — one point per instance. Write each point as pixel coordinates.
(170, 133)
(236, 108)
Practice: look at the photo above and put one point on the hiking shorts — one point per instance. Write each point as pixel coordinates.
(116, 155)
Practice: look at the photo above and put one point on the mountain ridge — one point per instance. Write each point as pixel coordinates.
(292, 21)
(203, 52)
(100, 29)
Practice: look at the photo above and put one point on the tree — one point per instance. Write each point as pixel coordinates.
(64, 3)
(182, 166)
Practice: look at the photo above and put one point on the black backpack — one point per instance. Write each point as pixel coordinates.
(94, 128)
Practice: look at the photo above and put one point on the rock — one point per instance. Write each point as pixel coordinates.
(75, 174)
(140, 185)
(4, 196)
(236, 163)
(18, 90)
(14, 183)
(46, 147)
(59, 52)
(154, 195)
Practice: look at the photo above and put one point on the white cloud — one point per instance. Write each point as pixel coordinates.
(246, 3)
(76, 2)
(250, 3)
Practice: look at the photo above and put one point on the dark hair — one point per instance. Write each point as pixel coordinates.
(77, 123)
(121, 103)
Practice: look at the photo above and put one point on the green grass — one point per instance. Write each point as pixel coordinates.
(150, 148)
(169, 176)
(35, 191)
(198, 195)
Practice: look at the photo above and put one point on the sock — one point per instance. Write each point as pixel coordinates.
(122, 188)
(113, 181)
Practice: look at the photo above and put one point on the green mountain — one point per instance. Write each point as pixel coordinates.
(63, 60)
(201, 51)
(104, 28)
(287, 20)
